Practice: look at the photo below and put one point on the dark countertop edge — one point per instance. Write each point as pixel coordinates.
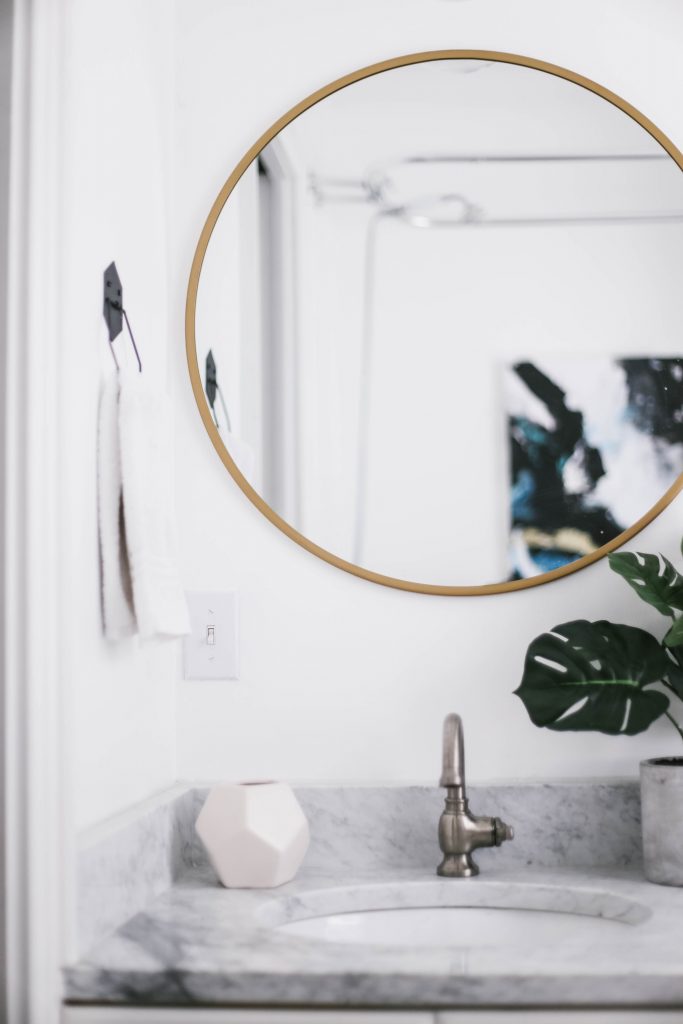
(183, 988)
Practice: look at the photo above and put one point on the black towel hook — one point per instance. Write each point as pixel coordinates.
(114, 313)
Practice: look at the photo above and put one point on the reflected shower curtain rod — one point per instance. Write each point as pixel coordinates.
(511, 158)
(411, 216)
(341, 190)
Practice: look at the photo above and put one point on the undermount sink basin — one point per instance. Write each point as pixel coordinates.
(472, 915)
(453, 926)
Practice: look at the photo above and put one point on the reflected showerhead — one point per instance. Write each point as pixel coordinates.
(437, 211)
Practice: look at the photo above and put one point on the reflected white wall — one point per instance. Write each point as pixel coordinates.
(452, 308)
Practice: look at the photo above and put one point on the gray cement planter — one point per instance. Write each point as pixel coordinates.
(661, 793)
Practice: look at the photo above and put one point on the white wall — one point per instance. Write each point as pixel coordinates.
(342, 679)
(115, 182)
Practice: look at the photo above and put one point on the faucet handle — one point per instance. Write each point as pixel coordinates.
(501, 832)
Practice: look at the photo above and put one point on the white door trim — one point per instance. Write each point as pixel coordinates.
(32, 599)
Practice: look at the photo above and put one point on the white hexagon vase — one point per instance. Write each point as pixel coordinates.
(255, 833)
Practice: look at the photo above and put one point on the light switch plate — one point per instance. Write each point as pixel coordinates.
(210, 652)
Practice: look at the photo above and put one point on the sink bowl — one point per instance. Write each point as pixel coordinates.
(454, 926)
(471, 914)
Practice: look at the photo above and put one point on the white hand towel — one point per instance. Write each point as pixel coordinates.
(117, 599)
(146, 439)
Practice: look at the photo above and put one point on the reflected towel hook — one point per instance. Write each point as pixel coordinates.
(114, 313)
(213, 388)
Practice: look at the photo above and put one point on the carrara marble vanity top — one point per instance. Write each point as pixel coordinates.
(157, 928)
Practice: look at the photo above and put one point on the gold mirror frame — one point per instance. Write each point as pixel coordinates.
(191, 305)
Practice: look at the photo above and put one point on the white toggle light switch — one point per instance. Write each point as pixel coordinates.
(210, 652)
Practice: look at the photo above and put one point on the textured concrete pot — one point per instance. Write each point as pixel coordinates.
(661, 794)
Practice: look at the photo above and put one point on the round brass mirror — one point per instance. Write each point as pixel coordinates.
(433, 322)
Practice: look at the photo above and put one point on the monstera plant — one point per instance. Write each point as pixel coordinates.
(605, 676)
(617, 679)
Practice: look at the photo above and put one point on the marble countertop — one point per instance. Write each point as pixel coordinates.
(198, 943)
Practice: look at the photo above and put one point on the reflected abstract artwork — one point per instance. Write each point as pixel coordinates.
(591, 441)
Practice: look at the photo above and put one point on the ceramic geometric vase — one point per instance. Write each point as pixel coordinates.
(255, 833)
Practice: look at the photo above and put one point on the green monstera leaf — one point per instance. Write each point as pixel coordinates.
(653, 578)
(593, 676)
(674, 673)
(674, 637)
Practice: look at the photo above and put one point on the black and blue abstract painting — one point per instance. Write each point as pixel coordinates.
(594, 443)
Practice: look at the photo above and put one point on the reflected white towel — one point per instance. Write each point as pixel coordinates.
(146, 439)
(117, 599)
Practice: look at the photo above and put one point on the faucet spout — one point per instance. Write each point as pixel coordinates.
(453, 759)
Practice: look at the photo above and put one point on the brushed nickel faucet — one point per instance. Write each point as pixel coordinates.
(461, 832)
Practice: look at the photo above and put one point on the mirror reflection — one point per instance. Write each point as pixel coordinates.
(438, 322)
